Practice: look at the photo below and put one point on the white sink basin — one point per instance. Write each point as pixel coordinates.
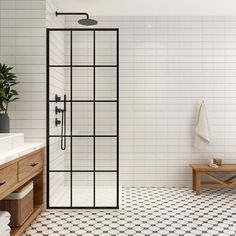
(10, 141)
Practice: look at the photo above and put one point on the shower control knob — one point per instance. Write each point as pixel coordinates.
(57, 122)
(57, 98)
(57, 110)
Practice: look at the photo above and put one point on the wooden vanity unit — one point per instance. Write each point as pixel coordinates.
(18, 172)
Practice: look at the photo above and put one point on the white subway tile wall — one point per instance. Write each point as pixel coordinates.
(57, 86)
(22, 45)
(82, 89)
(168, 65)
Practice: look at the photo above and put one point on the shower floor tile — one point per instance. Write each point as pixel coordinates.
(145, 212)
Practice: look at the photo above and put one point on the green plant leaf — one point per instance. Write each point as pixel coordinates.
(7, 93)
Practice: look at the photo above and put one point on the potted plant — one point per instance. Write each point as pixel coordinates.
(7, 95)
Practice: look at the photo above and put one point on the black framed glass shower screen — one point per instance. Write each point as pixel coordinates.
(83, 71)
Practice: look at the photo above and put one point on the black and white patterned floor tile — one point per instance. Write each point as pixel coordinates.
(147, 212)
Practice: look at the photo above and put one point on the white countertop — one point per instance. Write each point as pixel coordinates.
(20, 151)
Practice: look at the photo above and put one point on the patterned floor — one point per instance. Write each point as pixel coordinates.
(149, 212)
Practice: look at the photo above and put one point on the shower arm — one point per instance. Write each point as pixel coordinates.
(72, 13)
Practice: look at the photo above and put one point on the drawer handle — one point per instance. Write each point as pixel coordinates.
(2, 183)
(34, 164)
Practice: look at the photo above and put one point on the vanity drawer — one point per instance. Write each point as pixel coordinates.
(30, 165)
(8, 177)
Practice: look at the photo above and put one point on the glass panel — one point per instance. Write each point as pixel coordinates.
(59, 189)
(67, 47)
(57, 81)
(82, 189)
(82, 154)
(59, 47)
(106, 154)
(106, 48)
(56, 130)
(82, 118)
(67, 83)
(106, 118)
(106, 83)
(59, 159)
(82, 48)
(106, 189)
(82, 83)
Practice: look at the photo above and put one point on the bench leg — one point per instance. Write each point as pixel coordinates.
(194, 180)
(198, 184)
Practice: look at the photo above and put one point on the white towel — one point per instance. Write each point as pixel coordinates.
(7, 231)
(202, 130)
(4, 222)
(4, 215)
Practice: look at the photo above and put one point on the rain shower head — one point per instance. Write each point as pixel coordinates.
(86, 21)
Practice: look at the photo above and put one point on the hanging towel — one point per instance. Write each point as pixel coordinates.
(202, 130)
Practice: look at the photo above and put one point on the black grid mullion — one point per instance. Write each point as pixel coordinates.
(71, 121)
(83, 136)
(82, 66)
(94, 119)
(48, 114)
(117, 118)
(74, 101)
(113, 171)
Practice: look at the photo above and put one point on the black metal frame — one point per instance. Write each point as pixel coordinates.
(94, 101)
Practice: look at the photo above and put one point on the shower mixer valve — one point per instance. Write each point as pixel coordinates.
(57, 122)
(57, 98)
(58, 110)
(61, 122)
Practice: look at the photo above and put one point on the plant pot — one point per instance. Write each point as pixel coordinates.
(4, 123)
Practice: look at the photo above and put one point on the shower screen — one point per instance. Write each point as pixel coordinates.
(83, 118)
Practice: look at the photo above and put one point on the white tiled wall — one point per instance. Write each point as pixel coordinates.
(168, 65)
(57, 86)
(22, 45)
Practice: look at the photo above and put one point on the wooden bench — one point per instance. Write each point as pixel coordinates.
(199, 170)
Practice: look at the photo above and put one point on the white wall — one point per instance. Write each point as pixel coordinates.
(167, 66)
(56, 81)
(57, 86)
(23, 46)
(150, 7)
